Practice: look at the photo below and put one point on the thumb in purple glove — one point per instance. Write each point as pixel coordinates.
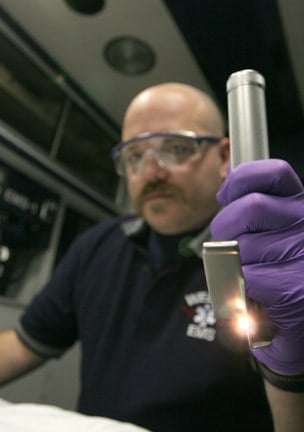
(264, 212)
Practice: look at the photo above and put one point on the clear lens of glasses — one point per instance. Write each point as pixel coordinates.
(170, 150)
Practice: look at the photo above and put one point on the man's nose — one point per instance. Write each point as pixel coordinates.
(152, 165)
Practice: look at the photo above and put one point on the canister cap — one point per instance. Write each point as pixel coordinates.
(246, 76)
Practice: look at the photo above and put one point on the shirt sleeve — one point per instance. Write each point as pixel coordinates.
(48, 326)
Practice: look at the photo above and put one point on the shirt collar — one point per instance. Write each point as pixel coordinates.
(133, 227)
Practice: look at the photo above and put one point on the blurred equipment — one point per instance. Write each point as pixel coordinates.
(129, 55)
(86, 6)
(27, 215)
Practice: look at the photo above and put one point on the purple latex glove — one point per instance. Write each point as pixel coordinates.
(264, 211)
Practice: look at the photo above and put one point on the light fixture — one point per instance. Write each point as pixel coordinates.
(129, 55)
(87, 7)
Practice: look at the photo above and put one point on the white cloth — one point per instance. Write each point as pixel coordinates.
(26, 417)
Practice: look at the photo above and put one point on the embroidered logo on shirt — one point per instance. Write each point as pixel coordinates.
(201, 314)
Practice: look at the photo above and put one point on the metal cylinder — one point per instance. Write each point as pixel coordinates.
(247, 117)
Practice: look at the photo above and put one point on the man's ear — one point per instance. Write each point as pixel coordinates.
(224, 149)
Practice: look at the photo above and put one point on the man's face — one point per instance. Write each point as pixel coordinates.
(174, 198)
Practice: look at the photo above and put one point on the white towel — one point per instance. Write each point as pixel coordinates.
(26, 417)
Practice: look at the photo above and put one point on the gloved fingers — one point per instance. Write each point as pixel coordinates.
(255, 213)
(279, 287)
(272, 246)
(272, 176)
(261, 282)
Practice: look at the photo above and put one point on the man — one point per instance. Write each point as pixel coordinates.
(133, 291)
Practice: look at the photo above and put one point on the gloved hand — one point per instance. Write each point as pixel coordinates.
(264, 211)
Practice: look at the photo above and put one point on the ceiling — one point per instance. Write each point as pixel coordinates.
(200, 42)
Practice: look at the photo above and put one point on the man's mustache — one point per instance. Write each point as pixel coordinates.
(158, 187)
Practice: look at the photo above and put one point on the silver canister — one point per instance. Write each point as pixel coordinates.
(247, 116)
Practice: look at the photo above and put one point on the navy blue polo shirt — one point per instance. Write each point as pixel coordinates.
(152, 353)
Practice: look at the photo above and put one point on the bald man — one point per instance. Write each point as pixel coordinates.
(189, 202)
(132, 289)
